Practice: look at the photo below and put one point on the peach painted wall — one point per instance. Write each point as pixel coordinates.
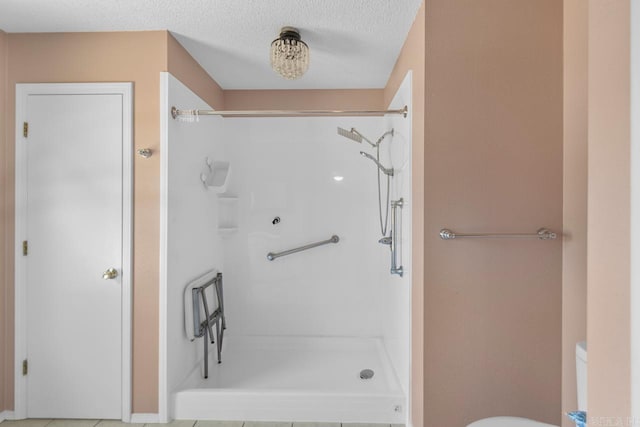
(493, 163)
(303, 99)
(183, 67)
(574, 249)
(4, 385)
(412, 57)
(608, 271)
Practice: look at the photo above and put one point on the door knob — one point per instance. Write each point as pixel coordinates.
(111, 273)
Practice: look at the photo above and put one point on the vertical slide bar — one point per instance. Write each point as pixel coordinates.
(396, 233)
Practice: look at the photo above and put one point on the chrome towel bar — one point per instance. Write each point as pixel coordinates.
(273, 255)
(541, 234)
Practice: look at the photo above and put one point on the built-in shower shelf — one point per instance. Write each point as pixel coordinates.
(228, 215)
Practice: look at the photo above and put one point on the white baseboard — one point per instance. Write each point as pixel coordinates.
(6, 415)
(145, 418)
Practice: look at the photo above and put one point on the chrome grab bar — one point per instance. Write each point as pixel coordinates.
(273, 255)
(542, 234)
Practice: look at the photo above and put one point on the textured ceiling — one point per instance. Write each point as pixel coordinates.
(353, 43)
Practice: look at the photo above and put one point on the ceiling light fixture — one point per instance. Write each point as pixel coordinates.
(289, 54)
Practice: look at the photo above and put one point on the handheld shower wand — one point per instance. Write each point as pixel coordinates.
(384, 170)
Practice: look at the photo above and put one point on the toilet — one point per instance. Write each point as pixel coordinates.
(581, 375)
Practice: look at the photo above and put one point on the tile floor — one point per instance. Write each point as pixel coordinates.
(177, 423)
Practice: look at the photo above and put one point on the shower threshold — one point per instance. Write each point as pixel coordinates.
(295, 379)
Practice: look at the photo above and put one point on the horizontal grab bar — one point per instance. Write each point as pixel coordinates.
(542, 234)
(273, 255)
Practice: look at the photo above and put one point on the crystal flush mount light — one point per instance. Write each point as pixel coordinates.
(289, 54)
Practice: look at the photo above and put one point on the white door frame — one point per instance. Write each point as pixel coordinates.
(22, 93)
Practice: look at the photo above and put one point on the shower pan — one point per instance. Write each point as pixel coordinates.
(296, 379)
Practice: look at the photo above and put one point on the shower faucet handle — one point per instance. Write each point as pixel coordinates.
(387, 240)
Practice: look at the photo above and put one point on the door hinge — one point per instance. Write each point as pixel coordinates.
(25, 367)
(25, 247)
(25, 129)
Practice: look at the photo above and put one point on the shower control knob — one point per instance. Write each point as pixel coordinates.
(111, 273)
(387, 240)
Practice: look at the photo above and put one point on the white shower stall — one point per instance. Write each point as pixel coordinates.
(300, 328)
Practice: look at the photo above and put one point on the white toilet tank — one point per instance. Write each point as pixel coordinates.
(581, 374)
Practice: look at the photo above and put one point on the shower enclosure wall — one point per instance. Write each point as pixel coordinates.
(302, 327)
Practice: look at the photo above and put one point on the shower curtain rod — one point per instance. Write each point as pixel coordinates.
(175, 113)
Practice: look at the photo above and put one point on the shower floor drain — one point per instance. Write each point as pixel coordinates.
(366, 374)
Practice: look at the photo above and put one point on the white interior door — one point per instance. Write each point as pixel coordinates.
(73, 220)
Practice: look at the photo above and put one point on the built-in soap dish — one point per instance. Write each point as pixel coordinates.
(216, 175)
(227, 215)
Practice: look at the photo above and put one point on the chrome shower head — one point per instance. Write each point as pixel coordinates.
(382, 168)
(351, 134)
(354, 135)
